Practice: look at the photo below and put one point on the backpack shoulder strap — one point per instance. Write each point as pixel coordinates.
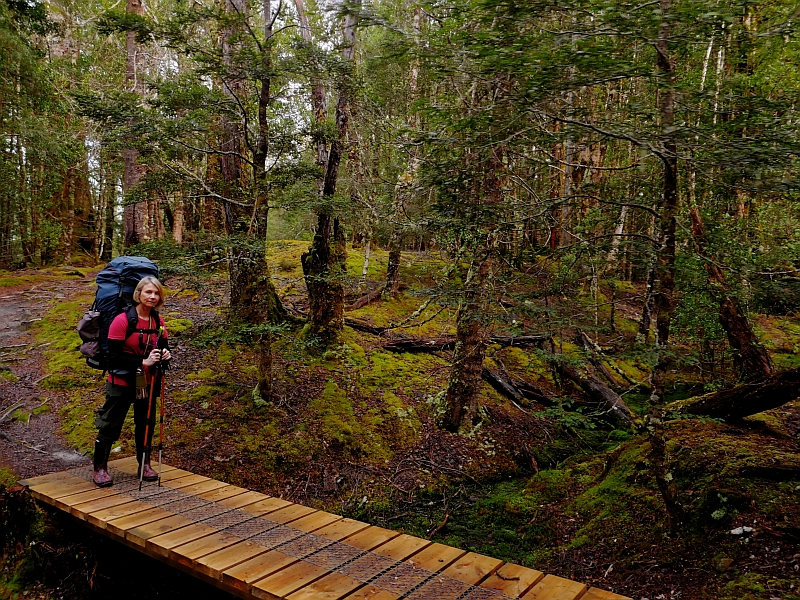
(133, 320)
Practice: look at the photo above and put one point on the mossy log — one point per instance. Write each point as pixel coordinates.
(606, 399)
(365, 299)
(516, 389)
(746, 399)
(448, 342)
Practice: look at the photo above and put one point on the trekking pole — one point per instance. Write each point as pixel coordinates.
(146, 433)
(162, 368)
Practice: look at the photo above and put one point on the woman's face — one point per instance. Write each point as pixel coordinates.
(149, 296)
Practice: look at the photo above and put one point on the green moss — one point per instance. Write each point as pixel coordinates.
(8, 280)
(402, 373)
(203, 394)
(7, 376)
(203, 374)
(77, 420)
(226, 354)
(7, 477)
(758, 586)
(176, 326)
(339, 425)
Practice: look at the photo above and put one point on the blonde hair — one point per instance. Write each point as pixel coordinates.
(137, 293)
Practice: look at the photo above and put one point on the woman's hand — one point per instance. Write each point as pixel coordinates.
(156, 356)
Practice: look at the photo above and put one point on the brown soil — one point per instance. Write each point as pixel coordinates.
(33, 446)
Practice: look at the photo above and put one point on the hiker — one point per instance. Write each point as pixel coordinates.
(132, 361)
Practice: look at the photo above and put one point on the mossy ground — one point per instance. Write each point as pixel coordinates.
(353, 430)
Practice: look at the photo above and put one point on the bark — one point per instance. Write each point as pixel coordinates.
(751, 357)
(110, 210)
(463, 387)
(260, 216)
(748, 398)
(404, 183)
(134, 216)
(515, 389)
(665, 269)
(237, 219)
(177, 219)
(324, 271)
(323, 264)
(365, 299)
(665, 264)
(448, 342)
(606, 399)
(255, 301)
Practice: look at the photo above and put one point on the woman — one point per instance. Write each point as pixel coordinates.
(133, 355)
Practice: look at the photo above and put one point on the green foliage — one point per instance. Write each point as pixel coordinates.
(117, 21)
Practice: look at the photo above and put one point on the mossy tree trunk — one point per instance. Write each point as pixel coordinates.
(323, 268)
(255, 301)
(665, 271)
(464, 385)
(324, 263)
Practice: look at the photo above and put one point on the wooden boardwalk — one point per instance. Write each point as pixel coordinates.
(256, 546)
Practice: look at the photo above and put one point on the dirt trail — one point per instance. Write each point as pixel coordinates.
(31, 446)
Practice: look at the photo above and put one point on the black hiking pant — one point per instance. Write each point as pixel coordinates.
(111, 416)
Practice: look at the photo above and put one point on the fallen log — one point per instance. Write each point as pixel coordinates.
(746, 399)
(606, 399)
(448, 342)
(365, 299)
(515, 389)
(360, 325)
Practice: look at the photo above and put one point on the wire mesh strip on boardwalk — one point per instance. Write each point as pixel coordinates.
(394, 576)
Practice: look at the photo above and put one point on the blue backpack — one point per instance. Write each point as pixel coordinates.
(115, 286)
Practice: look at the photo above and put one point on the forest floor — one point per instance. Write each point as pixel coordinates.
(353, 430)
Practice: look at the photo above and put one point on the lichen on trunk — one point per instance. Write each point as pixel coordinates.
(324, 270)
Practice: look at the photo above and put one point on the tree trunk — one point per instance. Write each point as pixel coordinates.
(751, 357)
(463, 387)
(402, 189)
(134, 216)
(177, 218)
(323, 271)
(323, 264)
(665, 269)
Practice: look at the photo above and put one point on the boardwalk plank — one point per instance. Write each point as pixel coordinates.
(555, 588)
(342, 529)
(140, 534)
(62, 487)
(472, 568)
(215, 564)
(242, 576)
(96, 493)
(595, 594)
(331, 587)
(369, 592)
(402, 547)
(160, 545)
(288, 580)
(287, 514)
(242, 500)
(121, 525)
(99, 518)
(315, 521)
(189, 552)
(512, 580)
(436, 557)
(84, 509)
